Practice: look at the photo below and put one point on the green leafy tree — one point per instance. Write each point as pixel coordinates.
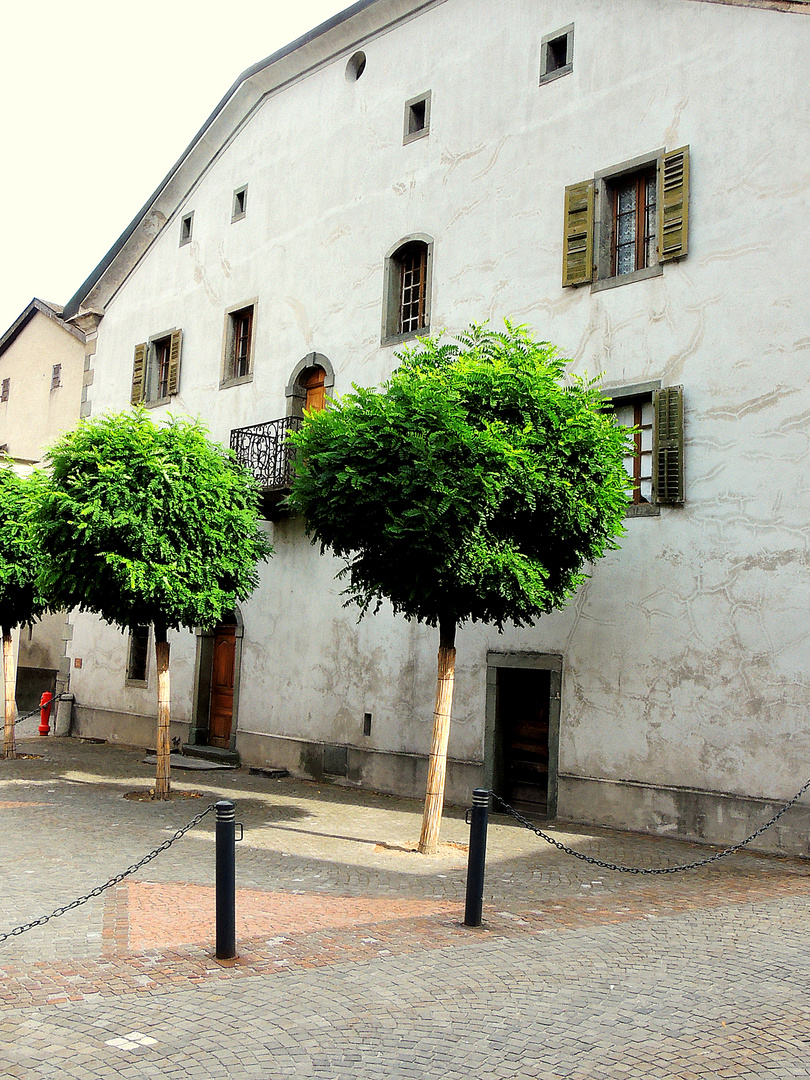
(474, 485)
(145, 524)
(20, 599)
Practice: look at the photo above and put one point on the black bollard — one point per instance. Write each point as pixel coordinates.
(226, 880)
(479, 816)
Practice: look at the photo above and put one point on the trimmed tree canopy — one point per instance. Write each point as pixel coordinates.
(473, 485)
(146, 524)
(20, 598)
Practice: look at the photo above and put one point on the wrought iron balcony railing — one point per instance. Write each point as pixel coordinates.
(263, 448)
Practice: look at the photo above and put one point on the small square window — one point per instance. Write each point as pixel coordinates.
(557, 54)
(4, 389)
(56, 377)
(238, 361)
(186, 225)
(417, 118)
(239, 203)
(138, 658)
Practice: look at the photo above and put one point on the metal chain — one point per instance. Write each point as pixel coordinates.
(33, 712)
(648, 870)
(108, 884)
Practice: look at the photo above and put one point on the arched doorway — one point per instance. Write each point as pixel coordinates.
(311, 382)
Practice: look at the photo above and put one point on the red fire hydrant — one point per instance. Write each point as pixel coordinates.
(45, 703)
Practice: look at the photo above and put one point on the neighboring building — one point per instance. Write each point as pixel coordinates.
(631, 180)
(41, 385)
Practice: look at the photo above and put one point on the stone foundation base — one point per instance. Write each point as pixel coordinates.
(684, 813)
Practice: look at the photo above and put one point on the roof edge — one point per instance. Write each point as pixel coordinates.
(74, 303)
(22, 320)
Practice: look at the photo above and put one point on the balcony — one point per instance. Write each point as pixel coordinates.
(263, 448)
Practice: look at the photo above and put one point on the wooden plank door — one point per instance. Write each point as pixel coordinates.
(222, 679)
(523, 706)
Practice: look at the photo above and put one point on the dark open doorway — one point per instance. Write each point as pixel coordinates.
(523, 715)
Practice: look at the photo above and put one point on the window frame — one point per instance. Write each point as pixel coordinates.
(56, 376)
(662, 443)
(5, 389)
(393, 285)
(186, 228)
(606, 188)
(129, 679)
(239, 199)
(229, 376)
(550, 74)
(158, 351)
(409, 135)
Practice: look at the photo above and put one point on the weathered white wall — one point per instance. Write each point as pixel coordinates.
(685, 655)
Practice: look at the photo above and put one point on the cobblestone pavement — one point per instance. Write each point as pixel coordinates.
(353, 960)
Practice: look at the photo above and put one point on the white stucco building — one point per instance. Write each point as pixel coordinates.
(42, 363)
(630, 178)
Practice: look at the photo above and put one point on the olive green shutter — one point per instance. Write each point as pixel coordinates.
(668, 445)
(174, 360)
(138, 374)
(673, 205)
(578, 238)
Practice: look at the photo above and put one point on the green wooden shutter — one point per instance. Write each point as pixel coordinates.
(578, 238)
(138, 374)
(668, 445)
(673, 205)
(174, 360)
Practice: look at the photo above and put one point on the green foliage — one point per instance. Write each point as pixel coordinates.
(473, 485)
(146, 524)
(20, 599)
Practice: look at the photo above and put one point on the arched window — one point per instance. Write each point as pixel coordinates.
(310, 384)
(408, 273)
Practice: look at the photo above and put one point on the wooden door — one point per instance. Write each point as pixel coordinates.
(522, 718)
(222, 679)
(314, 382)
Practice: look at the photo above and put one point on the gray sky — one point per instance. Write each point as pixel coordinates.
(98, 99)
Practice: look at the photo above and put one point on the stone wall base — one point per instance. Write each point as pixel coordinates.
(128, 729)
(376, 770)
(708, 817)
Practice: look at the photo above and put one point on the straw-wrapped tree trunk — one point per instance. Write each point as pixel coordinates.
(473, 486)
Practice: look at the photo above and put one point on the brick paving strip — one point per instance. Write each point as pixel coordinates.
(279, 933)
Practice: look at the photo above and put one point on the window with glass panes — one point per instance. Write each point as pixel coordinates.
(638, 413)
(413, 270)
(634, 223)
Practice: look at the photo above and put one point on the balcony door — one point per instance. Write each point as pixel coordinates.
(313, 381)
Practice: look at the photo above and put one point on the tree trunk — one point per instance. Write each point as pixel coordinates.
(9, 748)
(432, 817)
(162, 781)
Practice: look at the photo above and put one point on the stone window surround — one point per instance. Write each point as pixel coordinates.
(603, 221)
(236, 213)
(139, 683)
(409, 136)
(391, 290)
(619, 394)
(149, 374)
(547, 76)
(227, 380)
(186, 228)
